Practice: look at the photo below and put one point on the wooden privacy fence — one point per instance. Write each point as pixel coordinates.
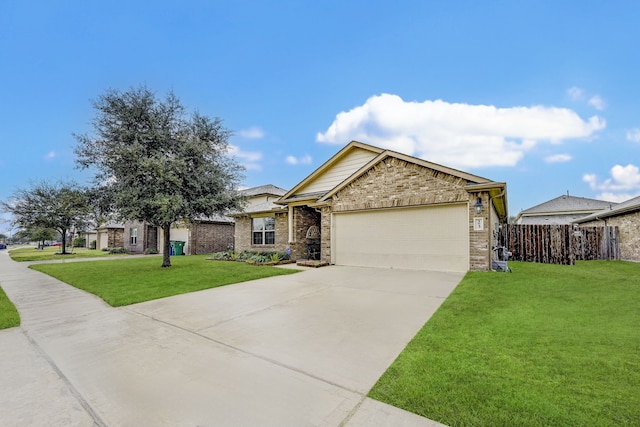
(559, 244)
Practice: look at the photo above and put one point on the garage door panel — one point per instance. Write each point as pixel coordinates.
(433, 238)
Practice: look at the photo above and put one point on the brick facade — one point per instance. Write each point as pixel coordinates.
(480, 240)
(629, 226)
(390, 183)
(303, 218)
(210, 237)
(244, 242)
(115, 238)
(395, 183)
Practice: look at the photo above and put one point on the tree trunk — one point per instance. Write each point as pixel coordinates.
(63, 248)
(166, 252)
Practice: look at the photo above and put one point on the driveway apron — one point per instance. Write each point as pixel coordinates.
(298, 350)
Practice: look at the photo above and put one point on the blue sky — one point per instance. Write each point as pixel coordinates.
(543, 95)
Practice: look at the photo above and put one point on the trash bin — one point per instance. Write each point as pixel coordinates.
(177, 247)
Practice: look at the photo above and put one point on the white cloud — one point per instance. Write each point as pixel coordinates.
(575, 93)
(458, 135)
(617, 198)
(251, 133)
(50, 155)
(248, 159)
(597, 102)
(558, 158)
(304, 160)
(623, 184)
(633, 135)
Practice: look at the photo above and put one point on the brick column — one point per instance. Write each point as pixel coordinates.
(479, 233)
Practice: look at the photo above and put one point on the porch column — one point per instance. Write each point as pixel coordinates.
(290, 218)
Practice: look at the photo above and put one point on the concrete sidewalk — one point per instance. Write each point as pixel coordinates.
(302, 349)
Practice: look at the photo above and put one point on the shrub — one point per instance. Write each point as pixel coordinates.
(93, 244)
(116, 250)
(251, 257)
(150, 251)
(79, 242)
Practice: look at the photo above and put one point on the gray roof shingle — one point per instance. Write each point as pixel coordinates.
(566, 203)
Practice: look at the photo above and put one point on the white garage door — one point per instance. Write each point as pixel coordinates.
(426, 238)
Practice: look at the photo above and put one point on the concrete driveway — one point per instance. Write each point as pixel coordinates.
(296, 350)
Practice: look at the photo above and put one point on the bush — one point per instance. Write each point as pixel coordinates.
(116, 250)
(150, 251)
(251, 257)
(93, 245)
(79, 242)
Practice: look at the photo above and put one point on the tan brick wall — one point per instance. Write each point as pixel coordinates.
(629, 227)
(479, 241)
(325, 231)
(394, 182)
(243, 240)
(242, 234)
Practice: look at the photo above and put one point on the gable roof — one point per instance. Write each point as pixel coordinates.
(301, 190)
(630, 205)
(357, 166)
(388, 153)
(567, 203)
(261, 190)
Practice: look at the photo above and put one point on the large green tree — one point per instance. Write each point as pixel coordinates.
(155, 163)
(61, 206)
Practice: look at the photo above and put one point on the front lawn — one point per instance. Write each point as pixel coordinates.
(53, 253)
(546, 345)
(9, 316)
(129, 281)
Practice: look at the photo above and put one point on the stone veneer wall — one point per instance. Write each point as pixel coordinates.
(629, 226)
(303, 218)
(206, 238)
(394, 183)
(115, 238)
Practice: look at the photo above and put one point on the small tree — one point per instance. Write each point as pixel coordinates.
(59, 206)
(40, 235)
(155, 164)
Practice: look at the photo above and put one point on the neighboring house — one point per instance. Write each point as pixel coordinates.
(202, 236)
(110, 235)
(259, 211)
(562, 210)
(90, 236)
(625, 216)
(368, 206)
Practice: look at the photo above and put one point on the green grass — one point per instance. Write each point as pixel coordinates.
(546, 345)
(128, 281)
(53, 253)
(9, 316)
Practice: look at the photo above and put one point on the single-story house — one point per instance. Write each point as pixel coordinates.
(202, 236)
(564, 209)
(368, 206)
(625, 216)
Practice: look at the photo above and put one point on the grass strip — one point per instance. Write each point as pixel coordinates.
(547, 345)
(9, 317)
(128, 281)
(53, 253)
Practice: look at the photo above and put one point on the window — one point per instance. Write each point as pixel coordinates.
(134, 236)
(263, 231)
